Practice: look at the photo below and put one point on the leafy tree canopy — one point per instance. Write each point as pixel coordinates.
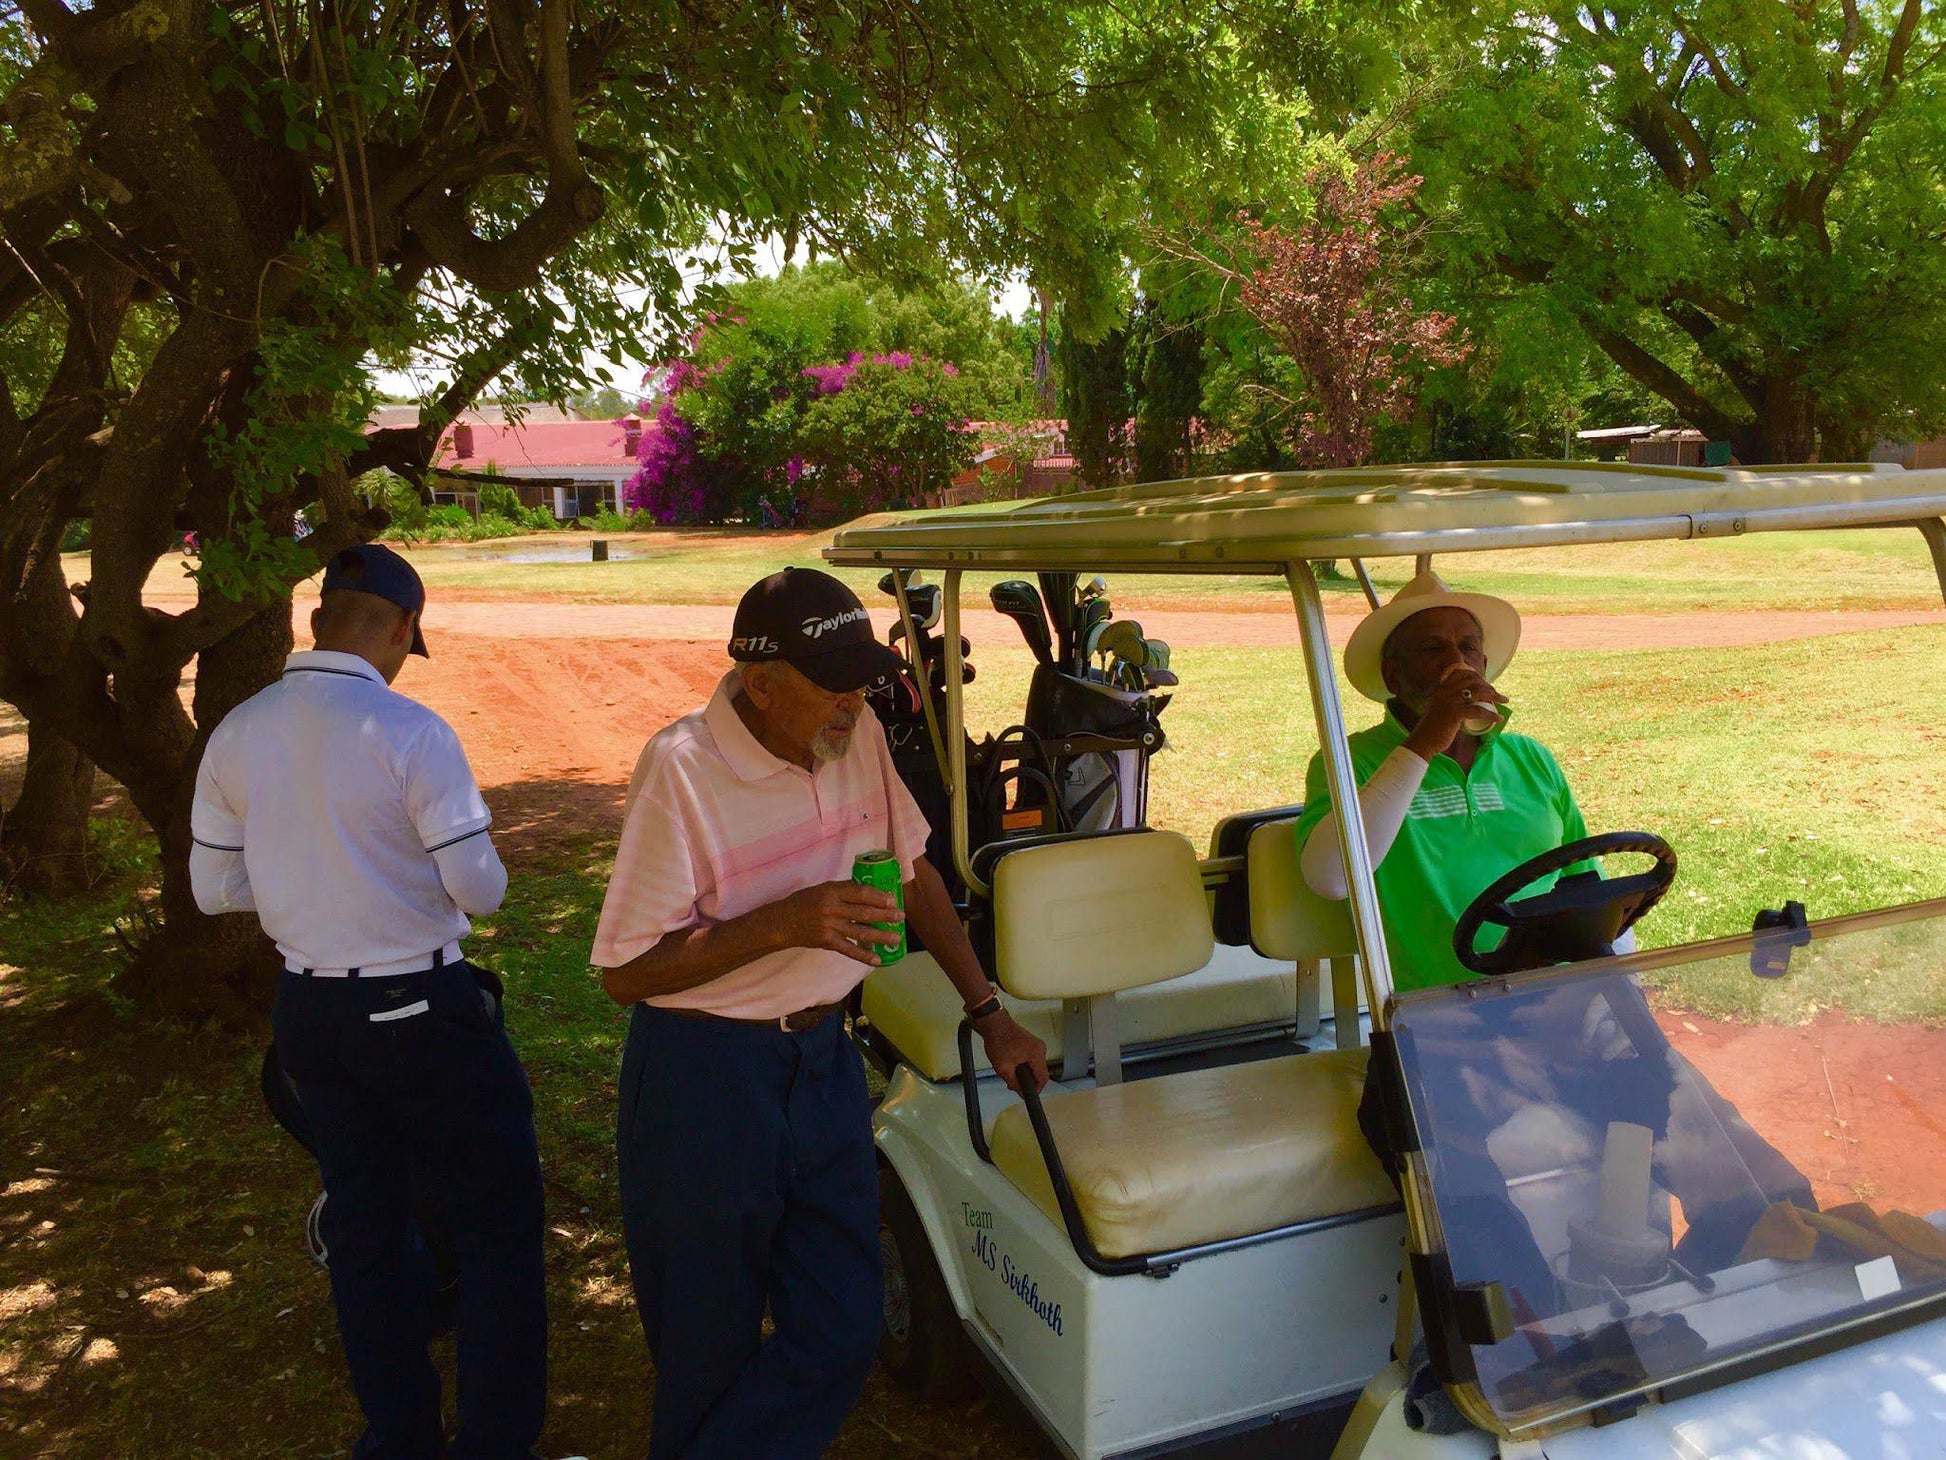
(222, 216)
(1741, 205)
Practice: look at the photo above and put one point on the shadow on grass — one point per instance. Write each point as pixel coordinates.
(155, 1296)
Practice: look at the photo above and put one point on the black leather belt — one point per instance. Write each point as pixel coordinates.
(801, 1022)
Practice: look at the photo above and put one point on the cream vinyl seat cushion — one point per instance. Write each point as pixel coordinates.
(914, 1006)
(1204, 1155)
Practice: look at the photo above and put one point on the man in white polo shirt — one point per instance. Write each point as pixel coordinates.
(346, 817)
(744, 1130)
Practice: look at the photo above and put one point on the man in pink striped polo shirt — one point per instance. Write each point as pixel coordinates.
(743, 1133)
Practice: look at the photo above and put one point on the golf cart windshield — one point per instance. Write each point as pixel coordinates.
(1631, 1194)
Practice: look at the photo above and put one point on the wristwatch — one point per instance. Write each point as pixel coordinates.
(986, 1008)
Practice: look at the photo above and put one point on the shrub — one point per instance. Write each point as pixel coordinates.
(502, 501)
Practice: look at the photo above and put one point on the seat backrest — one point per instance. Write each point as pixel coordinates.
(1230, 903)
(1288, 919)
(1081, 918)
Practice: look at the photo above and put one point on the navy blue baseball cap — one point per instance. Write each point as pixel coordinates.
(370, 568)
(815, 624)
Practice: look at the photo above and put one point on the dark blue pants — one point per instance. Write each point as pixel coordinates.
(436, 1098)
(748, 1180)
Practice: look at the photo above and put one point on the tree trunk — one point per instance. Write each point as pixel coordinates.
(44, 838)
(186, 963)
(1044, 391)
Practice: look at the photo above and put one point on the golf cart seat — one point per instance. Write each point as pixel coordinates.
(1205, 1155)
(1289, 920)
(1177, 1160)
(917, 1011)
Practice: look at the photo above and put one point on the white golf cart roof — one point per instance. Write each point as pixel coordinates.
(1258, 522)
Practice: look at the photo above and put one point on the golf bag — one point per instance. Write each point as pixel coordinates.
(431, 1231)
(1104, 786)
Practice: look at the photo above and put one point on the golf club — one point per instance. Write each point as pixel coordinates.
(1020, 601)
(1123, 638)
(1093, 613)
(925, 601)
(1057, 594)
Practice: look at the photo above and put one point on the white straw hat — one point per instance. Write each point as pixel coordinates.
(1498, 619)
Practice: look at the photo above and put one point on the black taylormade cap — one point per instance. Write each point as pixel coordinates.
(370, 568)
(816, 625)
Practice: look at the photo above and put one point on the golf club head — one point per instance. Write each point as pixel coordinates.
(1020, 601)
(1093, 588)
(1093, 614)
(1091, 636)
(936, 649)
(1158, 655)
(1123, 638)
(888, 584)
(1161, 678)
(926, 602)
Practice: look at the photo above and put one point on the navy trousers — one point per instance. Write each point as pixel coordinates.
(749, 1181)
(409, 1083)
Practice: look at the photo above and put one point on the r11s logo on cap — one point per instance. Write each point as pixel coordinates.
(816, 627)
(755, 644)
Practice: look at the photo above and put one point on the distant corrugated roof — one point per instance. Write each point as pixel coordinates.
(536, 412)
(1618, 433)
(539, 444)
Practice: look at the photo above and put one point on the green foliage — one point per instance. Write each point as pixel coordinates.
(609, 520)
(1095, 401)
(893, 435)
(1741, 207)
(757, 389)
(1165, 371)
(302, 415)
(500, 500)
(602, 402)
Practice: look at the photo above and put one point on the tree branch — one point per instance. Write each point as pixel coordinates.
(1664, 380)
(409, 450)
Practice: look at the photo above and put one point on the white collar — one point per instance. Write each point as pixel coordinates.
(334, 661)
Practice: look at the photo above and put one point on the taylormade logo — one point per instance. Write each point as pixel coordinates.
(818, 627)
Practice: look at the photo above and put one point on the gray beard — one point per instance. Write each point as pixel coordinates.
(824, 750)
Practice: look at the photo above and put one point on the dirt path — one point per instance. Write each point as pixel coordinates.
(710, 624)
(565, 623)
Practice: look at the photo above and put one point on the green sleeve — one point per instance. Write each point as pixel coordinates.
(1317, 801)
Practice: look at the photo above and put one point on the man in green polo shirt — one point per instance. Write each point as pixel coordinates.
(1452, 801)
(1448, 809)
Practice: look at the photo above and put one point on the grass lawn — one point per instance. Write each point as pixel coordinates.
(1813, 770)
(1887, 569)
(154, 1298)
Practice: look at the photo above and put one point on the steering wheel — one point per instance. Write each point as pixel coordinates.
(1578, 917)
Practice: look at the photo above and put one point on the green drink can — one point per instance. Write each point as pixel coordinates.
(881, 870)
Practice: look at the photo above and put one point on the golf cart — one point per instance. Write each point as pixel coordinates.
(1186, 1237)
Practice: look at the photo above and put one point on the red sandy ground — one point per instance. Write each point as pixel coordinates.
(1269, 627)
(554, 701)
(1859, 1108)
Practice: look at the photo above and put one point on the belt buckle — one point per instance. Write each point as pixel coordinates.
(784, 1023)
